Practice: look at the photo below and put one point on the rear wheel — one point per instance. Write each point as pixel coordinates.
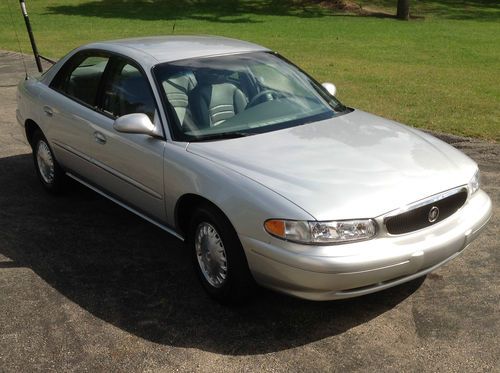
(218, 257)
(49, 173)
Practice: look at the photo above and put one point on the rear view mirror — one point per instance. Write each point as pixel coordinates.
(330, 87)
(137, 123)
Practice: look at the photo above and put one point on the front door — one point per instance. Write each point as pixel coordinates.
(130, 165)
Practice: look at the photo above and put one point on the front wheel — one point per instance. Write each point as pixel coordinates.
(218, 257)
(49, 173)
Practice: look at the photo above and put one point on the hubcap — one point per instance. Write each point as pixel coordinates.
(45, 162)
(211, 254)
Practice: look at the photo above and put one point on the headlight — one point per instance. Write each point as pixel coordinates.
(474, 183)
(321, 232)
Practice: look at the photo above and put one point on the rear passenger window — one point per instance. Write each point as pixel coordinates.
(127, 92)
(82, 81)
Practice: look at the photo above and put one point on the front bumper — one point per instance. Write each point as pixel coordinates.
(350, 270)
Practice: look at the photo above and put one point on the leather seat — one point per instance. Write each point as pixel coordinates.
(177, 89)
(212, 104)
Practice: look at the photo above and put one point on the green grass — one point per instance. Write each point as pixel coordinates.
(440, 71)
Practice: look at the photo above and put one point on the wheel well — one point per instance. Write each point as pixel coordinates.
(30, 127)
(185, 207)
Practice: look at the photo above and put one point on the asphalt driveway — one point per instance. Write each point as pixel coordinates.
(87, 286)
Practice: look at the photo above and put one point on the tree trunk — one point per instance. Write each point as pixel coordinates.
(403, 10)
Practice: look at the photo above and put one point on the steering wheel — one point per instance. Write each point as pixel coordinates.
(269, 94)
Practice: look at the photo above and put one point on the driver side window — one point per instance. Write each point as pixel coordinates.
(128, 91)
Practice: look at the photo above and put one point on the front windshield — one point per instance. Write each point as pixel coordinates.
(240, 95)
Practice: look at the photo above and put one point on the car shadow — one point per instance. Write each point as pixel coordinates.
(131, 274)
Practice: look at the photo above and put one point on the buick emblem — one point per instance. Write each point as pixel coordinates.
(433, 214)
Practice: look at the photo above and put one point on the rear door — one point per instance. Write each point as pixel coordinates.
(130, 166)
(70, 109)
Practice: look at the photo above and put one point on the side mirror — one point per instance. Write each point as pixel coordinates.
(137, 123)
(330, 87)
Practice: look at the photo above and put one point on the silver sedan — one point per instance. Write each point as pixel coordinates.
(266, 176)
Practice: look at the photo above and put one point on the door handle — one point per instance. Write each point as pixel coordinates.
(48, 111)
(99, 138)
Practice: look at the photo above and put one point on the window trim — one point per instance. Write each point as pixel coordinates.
(113, 57)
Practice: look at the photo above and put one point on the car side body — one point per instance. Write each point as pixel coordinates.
(351, 166)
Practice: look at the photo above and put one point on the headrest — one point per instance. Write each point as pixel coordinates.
(211, 76)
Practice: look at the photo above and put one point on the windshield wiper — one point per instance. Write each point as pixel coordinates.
(222, 136)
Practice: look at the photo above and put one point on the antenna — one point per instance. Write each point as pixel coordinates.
(21, 54)
(32, 38)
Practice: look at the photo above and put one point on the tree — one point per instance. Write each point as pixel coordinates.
(403, 10)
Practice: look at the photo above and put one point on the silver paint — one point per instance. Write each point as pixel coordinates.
(136, 123)
(331, 88)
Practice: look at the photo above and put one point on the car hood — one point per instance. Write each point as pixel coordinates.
(355, 165)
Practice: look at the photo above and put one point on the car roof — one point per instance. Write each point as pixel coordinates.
(173, 48)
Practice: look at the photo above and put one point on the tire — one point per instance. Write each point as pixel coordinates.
(48, 170)
(211, 233)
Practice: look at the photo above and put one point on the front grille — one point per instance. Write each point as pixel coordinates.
(418, 218)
